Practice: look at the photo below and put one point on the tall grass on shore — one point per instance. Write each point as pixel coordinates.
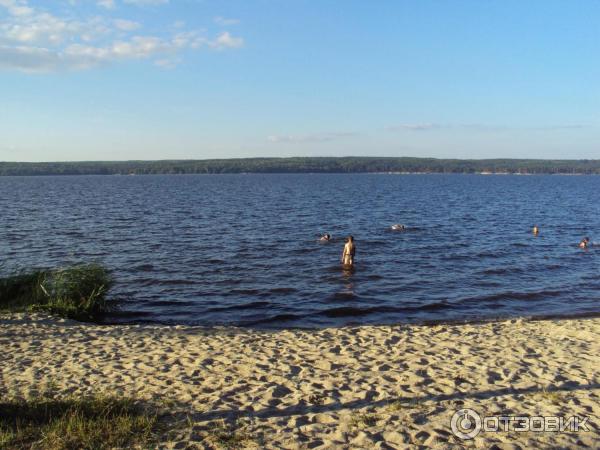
(76, 292)
(96, 422)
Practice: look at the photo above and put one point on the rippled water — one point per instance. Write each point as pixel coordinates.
(242, 249)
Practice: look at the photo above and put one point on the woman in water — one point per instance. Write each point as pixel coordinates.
(349, 252)
(535, 230)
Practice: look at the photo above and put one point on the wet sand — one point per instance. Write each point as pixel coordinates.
(354, 387)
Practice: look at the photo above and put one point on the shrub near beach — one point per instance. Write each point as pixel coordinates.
(77, 292)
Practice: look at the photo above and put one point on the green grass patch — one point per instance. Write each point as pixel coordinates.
(96, 422)
(76, 292)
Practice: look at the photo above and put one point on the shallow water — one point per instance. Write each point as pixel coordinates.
(243, 249)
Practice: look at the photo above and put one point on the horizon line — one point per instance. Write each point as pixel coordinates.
(295, 157)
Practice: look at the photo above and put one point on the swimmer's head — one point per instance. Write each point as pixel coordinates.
(350, 238)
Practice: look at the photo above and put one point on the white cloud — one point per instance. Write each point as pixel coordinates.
(309, 138)
(38, 28)
(79, 56)
(44, 29)
(224, 22)
(107, 4)
(28, 59)
(226, 40)
(126, 25)
(33, 40)
(16, 7)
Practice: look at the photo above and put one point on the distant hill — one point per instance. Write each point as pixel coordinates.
(305, 165)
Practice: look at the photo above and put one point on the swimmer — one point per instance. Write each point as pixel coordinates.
(535, 230)
(349, 252)
(398, 227)
(584, 242)
(325, 238)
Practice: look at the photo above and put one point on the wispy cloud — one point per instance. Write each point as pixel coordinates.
(477, 127)
(106, 4)
(414, 127)
(310, 138)
(168, 63)
(559, 127)
(226, 40)
(35, 40)
(16, 7)
(126, 25)
(225, 22)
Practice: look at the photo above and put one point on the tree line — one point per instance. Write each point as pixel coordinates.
(304, 165)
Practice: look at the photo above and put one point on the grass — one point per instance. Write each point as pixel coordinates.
(232, 436)
(77, 292)
(18, 291)
(317, 399)
(96, 422)
(405, 404)
(358, 420)
(552, 396)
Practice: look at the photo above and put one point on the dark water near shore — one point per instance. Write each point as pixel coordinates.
(243, 250)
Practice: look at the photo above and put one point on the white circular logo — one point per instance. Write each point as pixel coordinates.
(466, 424)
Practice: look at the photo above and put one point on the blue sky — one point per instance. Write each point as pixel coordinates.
(162, 79)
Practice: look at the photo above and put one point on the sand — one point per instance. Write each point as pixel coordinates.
(357, 387)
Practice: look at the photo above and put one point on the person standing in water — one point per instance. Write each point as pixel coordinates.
(349, 252)
(535, 230)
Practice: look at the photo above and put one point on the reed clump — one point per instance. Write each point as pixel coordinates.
(77, 292)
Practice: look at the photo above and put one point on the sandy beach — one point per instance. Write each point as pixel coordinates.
(355, 387)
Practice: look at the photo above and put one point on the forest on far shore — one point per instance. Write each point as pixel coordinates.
(305, 165)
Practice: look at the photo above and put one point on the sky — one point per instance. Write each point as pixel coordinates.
(197, 79)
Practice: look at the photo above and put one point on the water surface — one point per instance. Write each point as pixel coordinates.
(243, 249)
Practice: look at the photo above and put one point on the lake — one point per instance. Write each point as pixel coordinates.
(243, 249)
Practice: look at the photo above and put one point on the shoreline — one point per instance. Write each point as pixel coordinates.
(294, 173)
(422, 323)
(352, 387)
